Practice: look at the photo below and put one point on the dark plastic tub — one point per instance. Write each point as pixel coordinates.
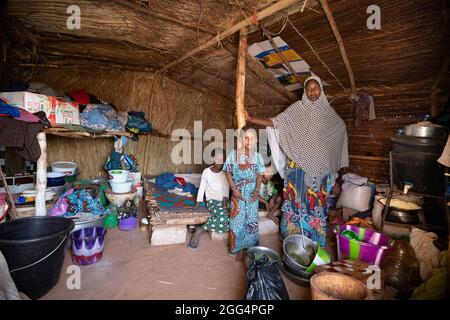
(34, 249)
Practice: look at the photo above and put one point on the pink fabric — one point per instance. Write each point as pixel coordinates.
(27, 116)
(61, 206)
(2, 198)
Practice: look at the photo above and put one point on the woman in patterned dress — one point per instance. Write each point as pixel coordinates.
(244, 167)
(313, 138)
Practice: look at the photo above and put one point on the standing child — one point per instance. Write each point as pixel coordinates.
(268, 195)
(244, 167)
(215, 185)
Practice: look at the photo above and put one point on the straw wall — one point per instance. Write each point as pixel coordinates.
(168, 106)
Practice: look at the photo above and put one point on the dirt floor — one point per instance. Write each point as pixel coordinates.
(132, 269)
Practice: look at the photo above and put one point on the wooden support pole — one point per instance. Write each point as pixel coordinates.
(340, 43)
(13, 212)
(279, 53)
(240, 79)
(41, 177)
(434, 87)
(267, 12)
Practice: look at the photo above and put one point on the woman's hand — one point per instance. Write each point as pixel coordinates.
(225, 203)
(248, 117)
(254, 195)
(237, 194)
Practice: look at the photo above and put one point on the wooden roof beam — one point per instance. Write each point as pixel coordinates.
(279, 53)
(280, 16)
(267, 12)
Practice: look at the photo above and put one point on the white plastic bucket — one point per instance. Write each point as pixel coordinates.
(121, 187)
(68, 168)
(118, 176)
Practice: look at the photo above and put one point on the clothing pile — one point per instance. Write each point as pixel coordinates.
(176, 185)
(18, 128)
(78, 203)
(101, 117)
(136, 123)
(95, 114)
(364, 107)
(434, 288)
(118, 160)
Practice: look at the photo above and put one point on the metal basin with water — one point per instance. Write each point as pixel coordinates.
(298, 252)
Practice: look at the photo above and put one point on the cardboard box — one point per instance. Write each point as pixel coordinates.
(57, 112)
(67, 113)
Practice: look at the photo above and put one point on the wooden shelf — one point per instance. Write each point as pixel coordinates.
(62, 132)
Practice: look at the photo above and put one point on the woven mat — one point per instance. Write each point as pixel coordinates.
(176, 212)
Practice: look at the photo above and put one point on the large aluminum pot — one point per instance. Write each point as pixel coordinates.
(425, 131)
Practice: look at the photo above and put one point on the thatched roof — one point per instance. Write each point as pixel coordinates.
(410, 47)
(133, 35)
(147, 35)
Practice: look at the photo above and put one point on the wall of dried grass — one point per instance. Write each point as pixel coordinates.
(168, 105)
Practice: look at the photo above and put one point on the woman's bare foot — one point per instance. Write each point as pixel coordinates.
(272, 217)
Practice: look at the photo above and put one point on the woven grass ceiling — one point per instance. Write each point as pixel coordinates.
(147, 35)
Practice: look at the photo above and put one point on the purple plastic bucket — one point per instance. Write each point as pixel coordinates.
(371, 248)
(128, 224)
(87, 245)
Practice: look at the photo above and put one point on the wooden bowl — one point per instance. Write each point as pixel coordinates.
(337, 286)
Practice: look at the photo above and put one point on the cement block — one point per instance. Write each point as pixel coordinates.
(267, 226)
(262, 213)
(167, 235)
(218, 236)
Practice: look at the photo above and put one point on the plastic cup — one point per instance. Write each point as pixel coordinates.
(111, 221)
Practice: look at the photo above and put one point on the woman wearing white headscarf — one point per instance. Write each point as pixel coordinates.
(314, 139)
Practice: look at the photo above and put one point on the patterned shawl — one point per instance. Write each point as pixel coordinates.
(313, 135)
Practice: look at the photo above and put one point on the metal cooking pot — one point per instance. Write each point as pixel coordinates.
(403, 216)
(425, 131)
(293, 244)
(295, 271)
(256, 252)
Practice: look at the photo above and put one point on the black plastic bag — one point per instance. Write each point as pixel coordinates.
(264, 281)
